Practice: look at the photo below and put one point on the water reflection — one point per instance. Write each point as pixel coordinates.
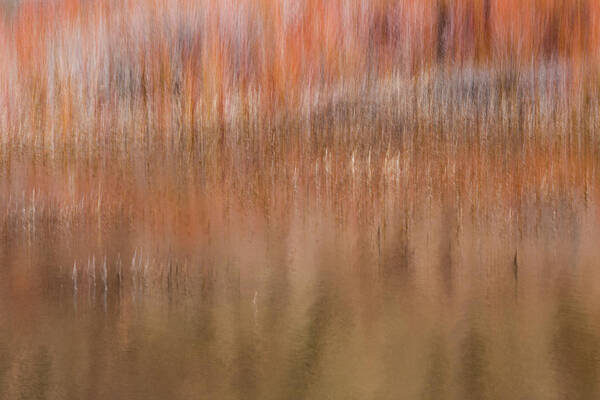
(426, 302)
(575, 346)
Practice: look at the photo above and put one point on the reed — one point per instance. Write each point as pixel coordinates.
(165, 118)
(193, 73)
(249, 198)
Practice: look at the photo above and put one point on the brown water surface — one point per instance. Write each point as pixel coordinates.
(152, 279)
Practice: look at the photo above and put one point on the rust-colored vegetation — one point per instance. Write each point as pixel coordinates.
(174, 115)
(299, 199)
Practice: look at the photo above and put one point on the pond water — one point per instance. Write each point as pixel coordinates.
(103, 295)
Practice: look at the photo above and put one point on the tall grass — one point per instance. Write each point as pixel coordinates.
(159, 112)
(180, 71)
(249, 198)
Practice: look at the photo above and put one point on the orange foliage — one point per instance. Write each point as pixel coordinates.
(211, 51)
